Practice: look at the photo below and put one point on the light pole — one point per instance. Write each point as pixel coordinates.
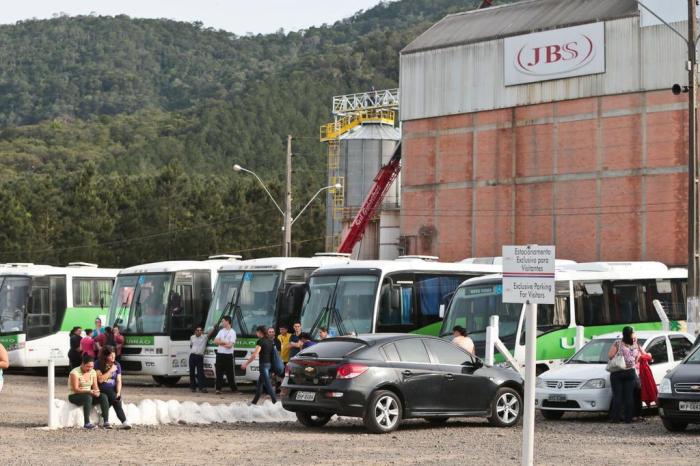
(692, 67)
(287, 213)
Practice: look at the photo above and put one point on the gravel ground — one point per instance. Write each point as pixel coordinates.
(577, 439)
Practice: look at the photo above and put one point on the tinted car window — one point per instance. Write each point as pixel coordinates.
(657, 349)
(412, 350)
(331, 349)
(391, 353)
(680, 347)
(447, 353)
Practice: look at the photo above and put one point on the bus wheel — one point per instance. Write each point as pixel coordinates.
(165, 380)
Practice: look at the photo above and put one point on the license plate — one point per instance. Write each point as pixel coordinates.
(556, 398)
(305, 396)
(689, 405)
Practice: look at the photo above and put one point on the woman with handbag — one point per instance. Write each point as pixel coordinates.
(623, 356)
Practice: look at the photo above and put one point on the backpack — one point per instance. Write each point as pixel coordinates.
(277, 363)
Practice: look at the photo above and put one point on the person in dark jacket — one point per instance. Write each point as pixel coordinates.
(263, 351)
(75, 356)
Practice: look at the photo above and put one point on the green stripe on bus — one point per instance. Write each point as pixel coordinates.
(83, 317)
(9, 341)
(430, 330)
(139, 340)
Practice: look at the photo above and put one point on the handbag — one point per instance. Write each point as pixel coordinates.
(617, 363)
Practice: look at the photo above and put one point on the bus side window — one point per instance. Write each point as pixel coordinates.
(433, 291)
(202, 296)
(626, 305)
(57, 288)
(590, 304)
(39, 318)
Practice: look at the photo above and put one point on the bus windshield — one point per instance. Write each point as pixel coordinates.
(139, 303)
(14, 292)
(344, 304)
(472, 307)
(250, 298)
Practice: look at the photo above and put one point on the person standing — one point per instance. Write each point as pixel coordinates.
(109, 380)
(624, 382)
(263, 351)
(461, 339)
(295, 343)
(118, 341)
(98, 330)
(4, 363)
(106, 338)
(74, 353)
(283, 338)
(87, 344)
(198, 344)
(83, 390)
(225, 341)
(271, 335)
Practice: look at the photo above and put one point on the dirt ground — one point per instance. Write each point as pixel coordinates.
(577, 439)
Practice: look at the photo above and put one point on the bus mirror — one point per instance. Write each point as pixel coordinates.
(442, 311)
(396, 297)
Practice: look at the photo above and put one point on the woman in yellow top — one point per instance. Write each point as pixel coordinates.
(83, 390)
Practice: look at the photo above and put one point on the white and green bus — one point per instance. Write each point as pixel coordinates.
(602, 297)
(406, 295)
(255, 292)
(40, 304)
(157, 306)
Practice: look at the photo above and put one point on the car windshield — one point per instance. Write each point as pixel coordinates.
(14, 292)
(472, 306)
(139, 302)
(694, 358)
(342, 303)
(595, 351)
(250, 298)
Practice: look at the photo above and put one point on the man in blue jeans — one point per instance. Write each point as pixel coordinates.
(263, 350)
(198, 343)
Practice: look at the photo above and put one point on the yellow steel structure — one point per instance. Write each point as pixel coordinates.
(351, 111)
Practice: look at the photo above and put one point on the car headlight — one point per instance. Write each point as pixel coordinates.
(594, 383)
(665, 386)
(539, 383)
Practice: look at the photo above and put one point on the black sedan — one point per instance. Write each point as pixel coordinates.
(679, 394)
(385, 378)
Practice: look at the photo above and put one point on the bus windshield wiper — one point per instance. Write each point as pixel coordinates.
(238, 314)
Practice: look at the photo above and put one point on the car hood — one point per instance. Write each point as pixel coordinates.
(689, 373)
(576, 372)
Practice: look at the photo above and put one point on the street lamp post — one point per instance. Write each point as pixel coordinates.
(693, 176)
(287, 213)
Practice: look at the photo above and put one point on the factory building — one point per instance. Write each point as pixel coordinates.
(548, 122)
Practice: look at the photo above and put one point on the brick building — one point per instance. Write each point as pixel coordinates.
(550, 122)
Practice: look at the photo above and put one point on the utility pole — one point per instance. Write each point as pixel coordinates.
(693, 260)
(287, 228)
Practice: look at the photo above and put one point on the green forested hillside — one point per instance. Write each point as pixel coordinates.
(117, 135)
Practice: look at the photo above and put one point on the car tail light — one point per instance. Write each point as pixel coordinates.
(350, 371)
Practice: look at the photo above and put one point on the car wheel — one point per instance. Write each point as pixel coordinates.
(506, 408)
(165, 380)
(313, 420)
(383, 412)
(551, 415)
(674, 426)
(437, 421)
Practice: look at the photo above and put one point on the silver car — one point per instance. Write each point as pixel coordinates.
(583, 384)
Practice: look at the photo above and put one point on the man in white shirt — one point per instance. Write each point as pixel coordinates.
(226, 340)
(198, 344)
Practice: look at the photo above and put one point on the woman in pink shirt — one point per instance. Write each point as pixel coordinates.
(87, 344)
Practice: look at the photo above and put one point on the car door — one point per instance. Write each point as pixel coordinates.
(658, 348)
(420, 379)
(462, 389)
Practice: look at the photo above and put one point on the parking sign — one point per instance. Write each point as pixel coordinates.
(528, 274)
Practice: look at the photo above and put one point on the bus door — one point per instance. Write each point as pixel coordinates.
(181, 307)
(397, 310)
(47, 305)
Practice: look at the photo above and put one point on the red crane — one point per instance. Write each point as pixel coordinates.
(382, 182)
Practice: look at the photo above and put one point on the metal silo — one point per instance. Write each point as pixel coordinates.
(363, 151)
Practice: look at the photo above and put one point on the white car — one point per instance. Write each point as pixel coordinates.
(583, 384)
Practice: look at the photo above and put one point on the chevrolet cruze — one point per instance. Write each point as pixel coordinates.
(386, 378)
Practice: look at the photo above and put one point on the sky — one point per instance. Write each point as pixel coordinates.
(238, 16)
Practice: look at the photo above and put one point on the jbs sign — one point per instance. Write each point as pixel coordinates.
(557, 54)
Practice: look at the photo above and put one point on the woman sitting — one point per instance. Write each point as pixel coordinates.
(109, 378)
(83, 390)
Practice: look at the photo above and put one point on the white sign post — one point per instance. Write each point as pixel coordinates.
(528, 277)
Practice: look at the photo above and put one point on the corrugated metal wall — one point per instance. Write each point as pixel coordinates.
(469, 78)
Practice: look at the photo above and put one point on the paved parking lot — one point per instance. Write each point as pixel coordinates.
(581, 439)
